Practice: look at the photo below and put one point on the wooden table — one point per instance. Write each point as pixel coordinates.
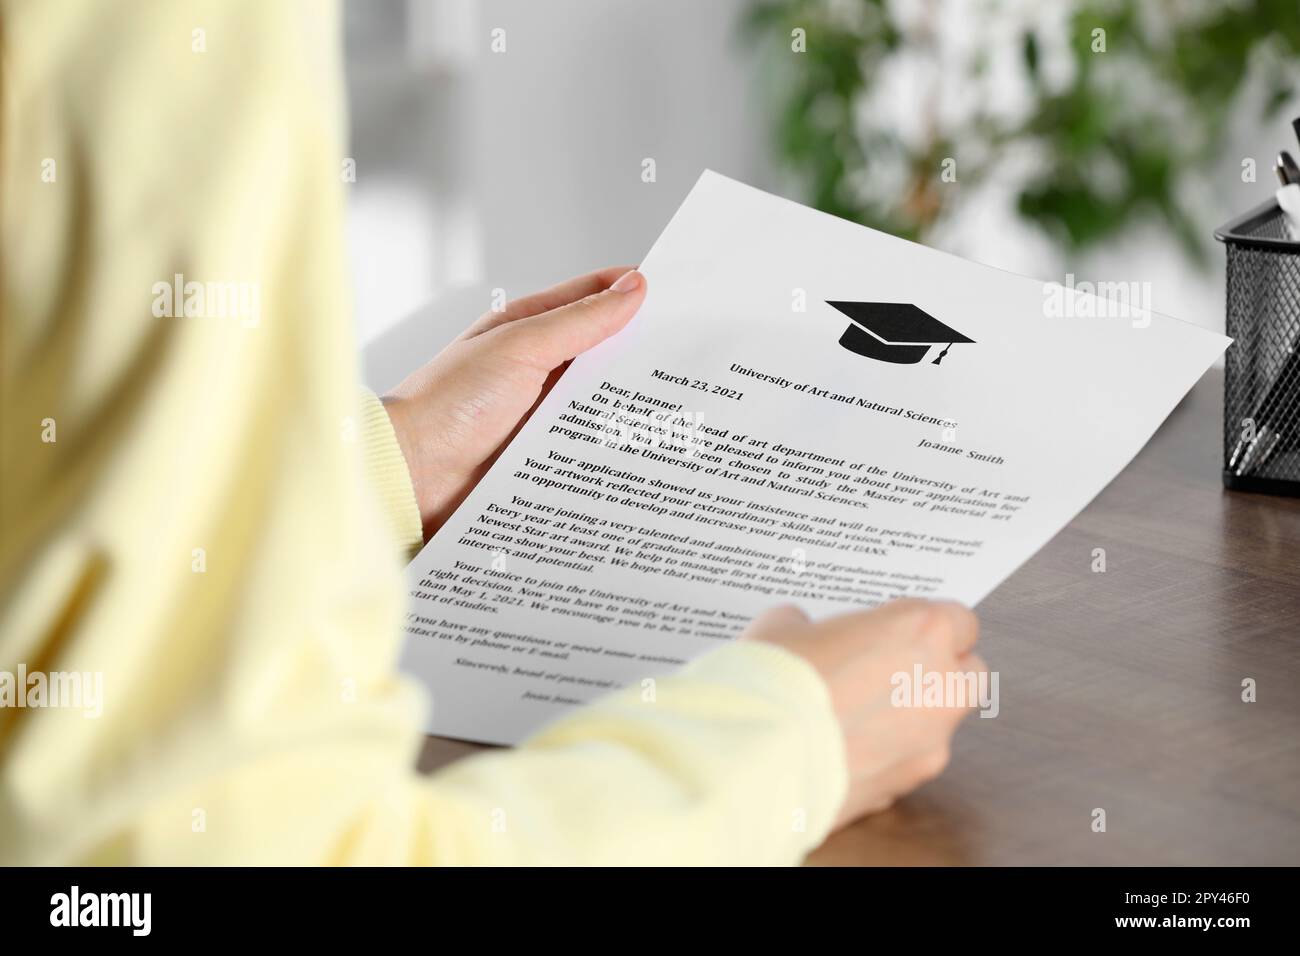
(1122, 690)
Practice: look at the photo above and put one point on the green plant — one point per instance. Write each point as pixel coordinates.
(1138, 98)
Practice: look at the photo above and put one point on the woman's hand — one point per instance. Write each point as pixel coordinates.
(454, 416)
(891, 750)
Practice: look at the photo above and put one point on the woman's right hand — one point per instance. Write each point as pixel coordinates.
(890, 749)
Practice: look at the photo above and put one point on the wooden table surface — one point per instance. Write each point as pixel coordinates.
(1122, 690)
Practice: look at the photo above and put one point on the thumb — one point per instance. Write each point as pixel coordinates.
(775, 622)
(547, 340)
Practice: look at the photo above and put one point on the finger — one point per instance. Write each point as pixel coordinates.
(965, 626)
(973, 663)
(547, 340)
(849, 632)
(923, 768)
(953, 625)
(901, 615)
(571, 290)
(775, 621)
(971, 668)
(879, 789)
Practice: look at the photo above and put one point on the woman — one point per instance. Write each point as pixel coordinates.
(198, 506)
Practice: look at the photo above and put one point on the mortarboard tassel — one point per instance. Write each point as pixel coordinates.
(942, 354)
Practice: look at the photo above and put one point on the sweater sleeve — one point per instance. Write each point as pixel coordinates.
(389, 475)
(738, 759)
(195, 526)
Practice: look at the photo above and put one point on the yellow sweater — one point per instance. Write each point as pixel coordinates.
(197, 511)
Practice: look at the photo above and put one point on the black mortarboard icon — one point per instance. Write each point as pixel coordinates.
(895, 332)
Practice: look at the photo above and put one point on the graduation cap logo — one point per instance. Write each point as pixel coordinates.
(895, 332)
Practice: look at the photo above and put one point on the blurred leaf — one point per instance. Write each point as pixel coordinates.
(1112, 159)
(1029, 50)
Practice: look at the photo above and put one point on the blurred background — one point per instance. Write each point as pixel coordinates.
(512, 143)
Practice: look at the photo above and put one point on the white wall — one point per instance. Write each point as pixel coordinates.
(535, 153)
(479, 170)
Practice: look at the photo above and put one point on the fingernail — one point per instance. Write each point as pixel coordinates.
(627, 282)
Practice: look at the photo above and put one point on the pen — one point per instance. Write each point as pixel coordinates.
(1286, 169)
(1288, 199)
(1277, 412)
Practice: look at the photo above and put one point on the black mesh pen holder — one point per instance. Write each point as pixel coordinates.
(1261, 386)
